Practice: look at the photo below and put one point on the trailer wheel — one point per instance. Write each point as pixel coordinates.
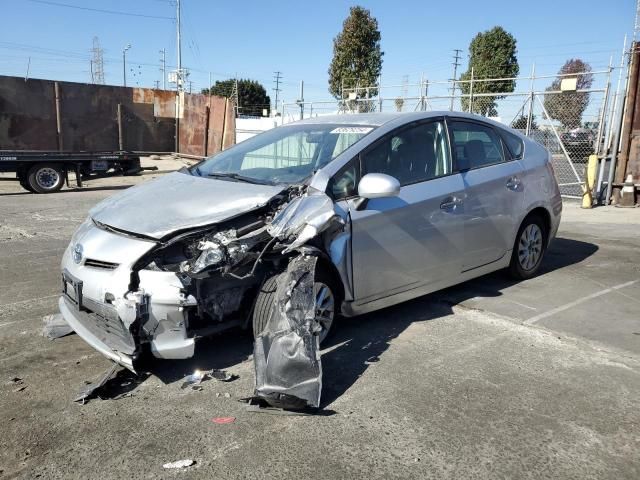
(45, 178)
(24, 184)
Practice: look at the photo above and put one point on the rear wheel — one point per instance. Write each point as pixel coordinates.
(325, 299)
(45, 178)
(529, 248)
(24, 183)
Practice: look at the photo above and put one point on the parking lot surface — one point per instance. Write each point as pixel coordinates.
(489, 379)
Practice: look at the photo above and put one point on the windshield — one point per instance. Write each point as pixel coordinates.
(287, 154)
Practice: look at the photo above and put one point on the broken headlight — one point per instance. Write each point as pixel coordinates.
(211, 254)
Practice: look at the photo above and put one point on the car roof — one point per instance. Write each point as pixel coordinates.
(377, 119)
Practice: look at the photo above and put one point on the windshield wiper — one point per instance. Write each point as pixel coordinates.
(239, 178)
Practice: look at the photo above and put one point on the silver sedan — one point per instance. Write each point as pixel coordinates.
(389, 206)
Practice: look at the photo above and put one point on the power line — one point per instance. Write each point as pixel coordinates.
(99, 10)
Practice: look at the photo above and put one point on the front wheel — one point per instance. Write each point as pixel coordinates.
(45, 178)
(529, 248)
(325, 298)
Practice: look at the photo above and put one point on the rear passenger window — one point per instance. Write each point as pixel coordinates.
(475, 144)
(514, 144)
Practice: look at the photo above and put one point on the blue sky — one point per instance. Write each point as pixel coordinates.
(255, 38)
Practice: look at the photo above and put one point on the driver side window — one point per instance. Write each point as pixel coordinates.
(344, 184)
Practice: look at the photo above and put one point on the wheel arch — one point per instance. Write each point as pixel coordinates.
(543, 213)
(324, 262)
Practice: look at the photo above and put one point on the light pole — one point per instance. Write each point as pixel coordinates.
(124, 64)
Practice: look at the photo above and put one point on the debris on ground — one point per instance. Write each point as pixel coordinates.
(111, 386)
(198, 376)
(55, 326)
(223, 420)
(18, 383)
(90, 390)
(287, 352)
(179, 464)
(223, 375)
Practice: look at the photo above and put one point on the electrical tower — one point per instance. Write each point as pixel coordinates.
(277, 76)
(97, 63)
(163, 68)
(456, 64)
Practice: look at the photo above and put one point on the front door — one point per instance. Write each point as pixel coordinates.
(414, 239)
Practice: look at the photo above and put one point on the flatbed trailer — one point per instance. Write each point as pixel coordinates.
(41, 171)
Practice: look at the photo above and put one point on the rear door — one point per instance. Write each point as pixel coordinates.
(494, 191)
(414, 239)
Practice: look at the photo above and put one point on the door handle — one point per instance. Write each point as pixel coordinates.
(450, 203)
(514, 183)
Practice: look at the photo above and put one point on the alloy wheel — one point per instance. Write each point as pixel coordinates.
(325, 308)
(530, 247)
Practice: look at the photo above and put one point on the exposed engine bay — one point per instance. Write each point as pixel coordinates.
(220, 269)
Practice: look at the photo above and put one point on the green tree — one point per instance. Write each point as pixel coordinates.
(520, 123)
(492, 54)
(252, 96)
(357, 58)
(568, 107)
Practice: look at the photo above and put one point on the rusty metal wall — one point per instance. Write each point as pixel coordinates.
(86, 117)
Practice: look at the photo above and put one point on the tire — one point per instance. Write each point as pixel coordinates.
(25, 184)
(529, 248)
(265, 303)
(45, 178)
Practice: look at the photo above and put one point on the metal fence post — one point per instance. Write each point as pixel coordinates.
(530, 114)
(471, 93)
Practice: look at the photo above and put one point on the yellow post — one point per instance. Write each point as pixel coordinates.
(590, 182)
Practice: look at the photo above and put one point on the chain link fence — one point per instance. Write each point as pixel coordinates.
(569, 115)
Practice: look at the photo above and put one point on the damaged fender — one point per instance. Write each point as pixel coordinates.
(287, 352)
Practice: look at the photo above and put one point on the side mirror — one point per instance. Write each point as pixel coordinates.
(378, 185)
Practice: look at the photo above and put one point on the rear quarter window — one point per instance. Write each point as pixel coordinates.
(515, 145)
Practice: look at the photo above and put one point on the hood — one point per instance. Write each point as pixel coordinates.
(178, 201)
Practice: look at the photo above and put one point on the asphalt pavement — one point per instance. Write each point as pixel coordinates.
(489, 379)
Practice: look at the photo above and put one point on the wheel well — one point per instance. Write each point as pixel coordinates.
(542, 213)
(328, 266)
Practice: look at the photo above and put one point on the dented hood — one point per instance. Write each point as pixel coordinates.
(178, 201)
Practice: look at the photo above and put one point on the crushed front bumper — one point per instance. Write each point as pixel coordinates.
(102, 333)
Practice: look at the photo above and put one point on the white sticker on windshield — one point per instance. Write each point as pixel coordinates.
(362, 130)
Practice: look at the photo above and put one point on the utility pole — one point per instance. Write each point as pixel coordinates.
(156, 84)
(277, 78)
(124, 64)
(163, 68)
(456, 64)
(179, 44)
(178, 77)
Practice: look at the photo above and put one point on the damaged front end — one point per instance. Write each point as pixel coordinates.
(161, 295)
